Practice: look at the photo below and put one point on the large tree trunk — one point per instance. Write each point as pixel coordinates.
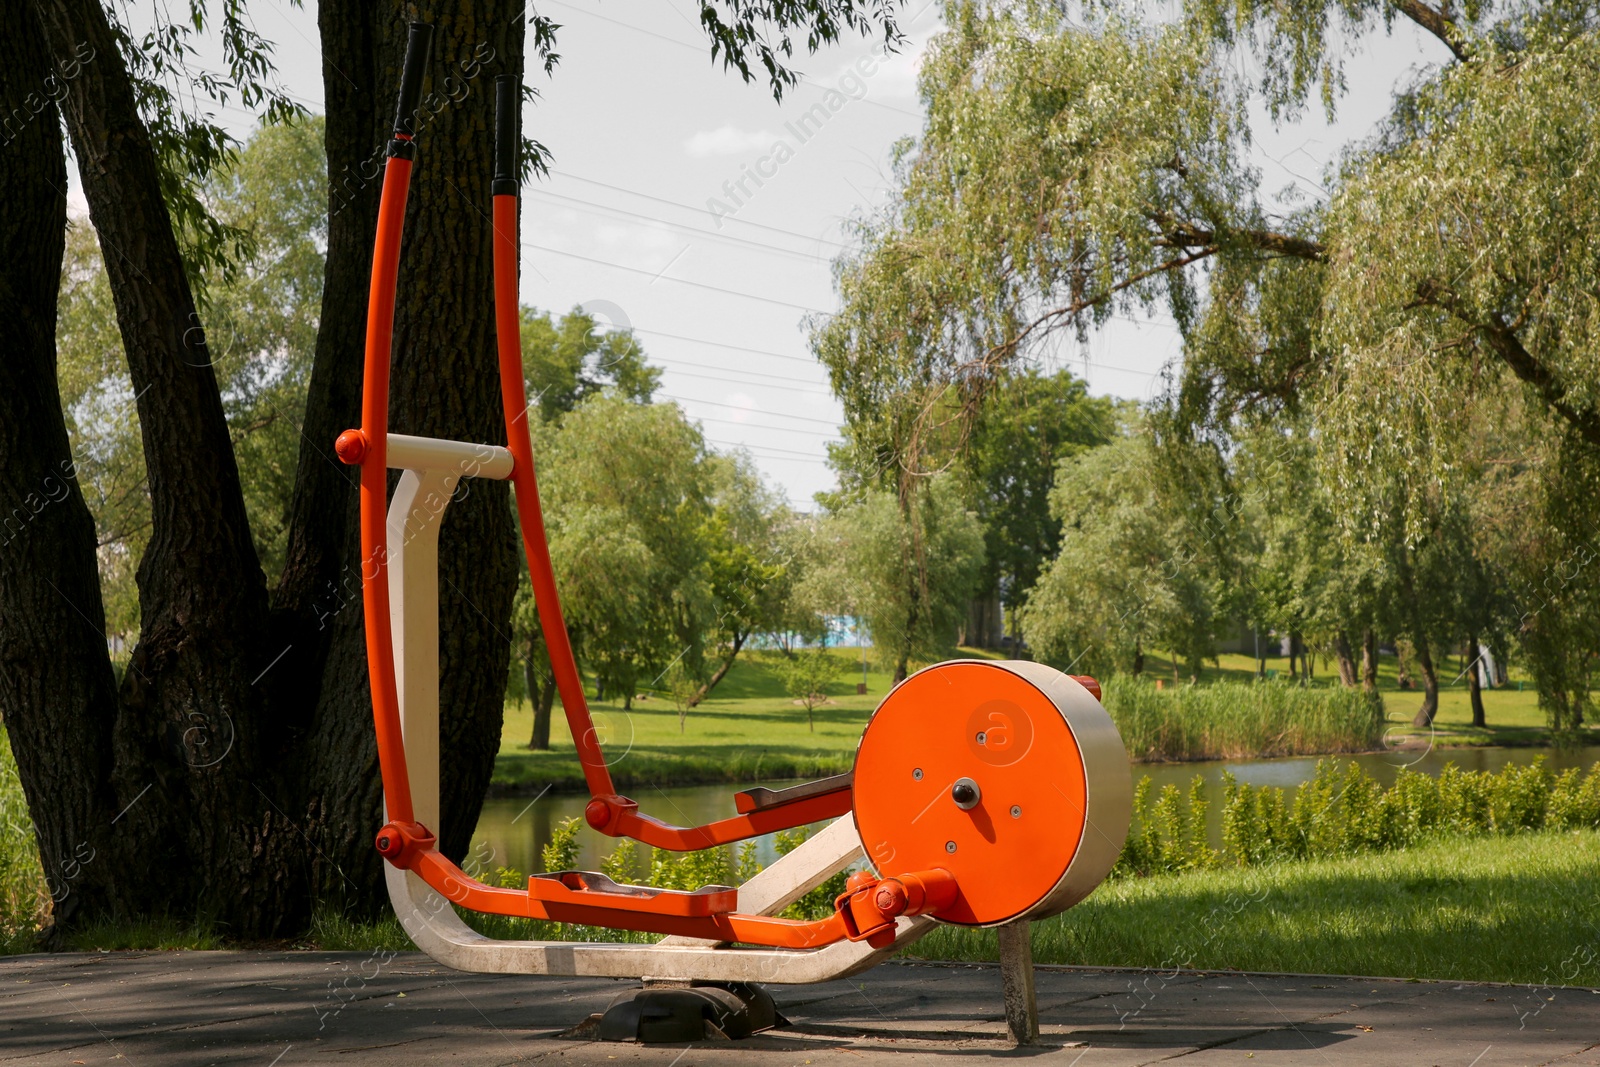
(443, 385)
(1369, 661)
(1346, 658)
(1430, 683)
(240, 769)
(1474, 687)
(191, 729)
(57, 691)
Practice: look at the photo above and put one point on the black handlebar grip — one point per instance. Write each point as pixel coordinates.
(507, 134)
(419, 43)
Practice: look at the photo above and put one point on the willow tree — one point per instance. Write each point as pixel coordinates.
(1074, 170)
(230, 772)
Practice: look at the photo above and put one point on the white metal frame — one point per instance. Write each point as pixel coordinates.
(432, 470)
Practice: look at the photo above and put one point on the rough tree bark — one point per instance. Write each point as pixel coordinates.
(57, 690)
(237, 759)
(190, 730)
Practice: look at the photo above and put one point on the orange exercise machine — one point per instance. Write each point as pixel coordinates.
(983, 793)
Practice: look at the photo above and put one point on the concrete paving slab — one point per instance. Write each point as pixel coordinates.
(189, 1009)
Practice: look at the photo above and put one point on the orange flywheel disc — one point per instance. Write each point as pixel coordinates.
(1008, 774)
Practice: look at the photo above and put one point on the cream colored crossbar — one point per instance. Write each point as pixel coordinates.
(433, 453)
(414, 517)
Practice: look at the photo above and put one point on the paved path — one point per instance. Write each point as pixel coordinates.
(350, 1009)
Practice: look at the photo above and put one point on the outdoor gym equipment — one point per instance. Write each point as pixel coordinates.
(983, 793)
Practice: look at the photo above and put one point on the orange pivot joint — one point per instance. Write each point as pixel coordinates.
(868, 907)
(351, 447)
(401, 843)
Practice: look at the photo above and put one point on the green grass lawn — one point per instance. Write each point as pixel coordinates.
(749, 730)
(1523, 908)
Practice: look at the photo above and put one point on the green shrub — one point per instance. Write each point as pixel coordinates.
(1341, 810)
(1238, 720)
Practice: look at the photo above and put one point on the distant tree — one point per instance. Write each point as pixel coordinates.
(1304, 575)
(747, 569)
(911, 576)
(804, 604)
(1019, 437)
(806, 677)
(625, 488)
(568, 361)
(565, 363)
(1132, 572)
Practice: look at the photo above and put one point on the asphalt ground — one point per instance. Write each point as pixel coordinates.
(280, 1009)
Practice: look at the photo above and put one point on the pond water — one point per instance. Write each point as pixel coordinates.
(512, 831)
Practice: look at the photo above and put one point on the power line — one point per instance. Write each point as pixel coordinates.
(829, 437)
(755, 385)
(834, 423)
(787, 453)
(680, 281)
(700, 210)
(737, 370)
(607, 209)
(719, 344)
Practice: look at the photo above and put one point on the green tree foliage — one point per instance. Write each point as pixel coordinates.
(1034, 422)
(1073, 168)
(1135, 570)
(806, 677)
(625, 488)
(748, 567)
(567, 361)
(910, 576)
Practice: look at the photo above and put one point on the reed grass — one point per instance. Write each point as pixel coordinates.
(1241, 720)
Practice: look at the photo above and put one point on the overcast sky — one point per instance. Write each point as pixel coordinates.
(646, 131)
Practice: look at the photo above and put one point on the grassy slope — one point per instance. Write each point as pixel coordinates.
(1511, 909)
(749, 730)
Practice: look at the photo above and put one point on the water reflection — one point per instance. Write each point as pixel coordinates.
(514, 830)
